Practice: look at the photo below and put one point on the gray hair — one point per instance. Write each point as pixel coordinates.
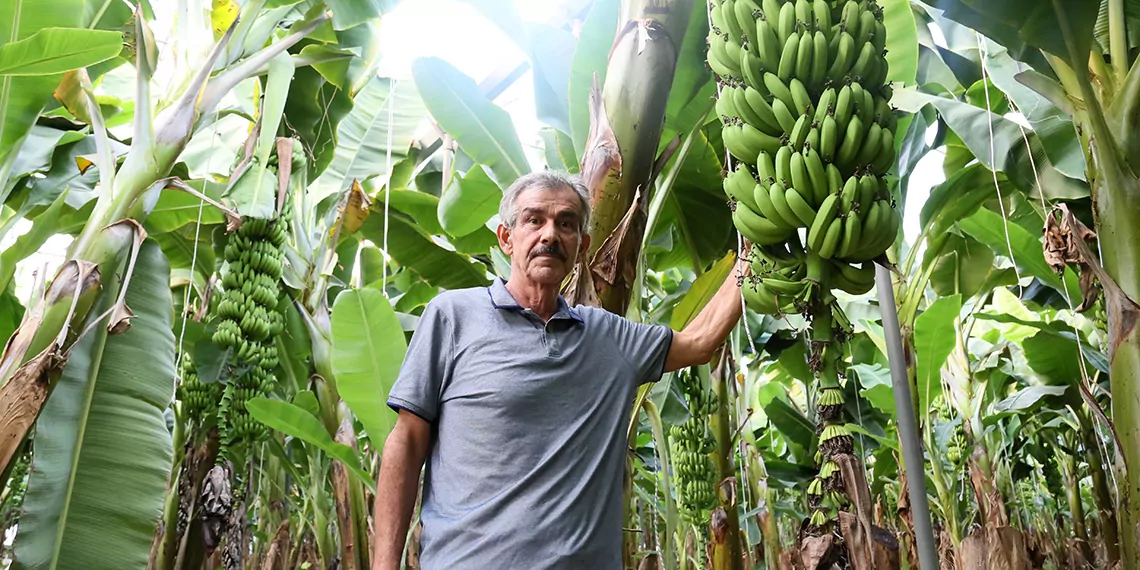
(545, 180)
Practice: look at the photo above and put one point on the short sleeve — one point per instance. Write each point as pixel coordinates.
(427, 366)
(643, 346)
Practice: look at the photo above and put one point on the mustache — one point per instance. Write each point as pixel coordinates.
(553, 249)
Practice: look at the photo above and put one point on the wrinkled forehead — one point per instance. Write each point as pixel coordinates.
(560, 201)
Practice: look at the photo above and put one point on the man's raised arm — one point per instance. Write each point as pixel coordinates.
(404, 454)
(696, 343)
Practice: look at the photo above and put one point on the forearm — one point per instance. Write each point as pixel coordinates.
(713, 324)
(395, 499)
(696, 343)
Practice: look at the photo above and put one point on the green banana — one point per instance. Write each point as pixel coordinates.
(844, 54)
(822, 14)
(800, 179)
(852, 232)
(844, 107)
(778, 196)
(831, 239)
(826, 104)
(812, 140)
(800, 98)
(740, 186)
(816, 174)
(766, 43)
(784, 163)
(871, 144)
(757, 141)
(724, 107)
(804, 54)
(771, 10)
(886, 157)
(800, 207)
(867, 108)
(784, 286)
(728, 13)
(834, 179)
(879, 37)
(743, 109)
(786, 24)
(788, 57)
(783, 115)
(849, 196)
(866, 29)
(755, 227)
(763, 112)
(751, 68)
(719, 60)
(868, 189)
(803, 11)
(851, 142)
(745, 10)
(827, 212)
(827, 138)
(718, 25)
(800, 131)
(766, 208)
(863, 62)
(779, 89)
(765, 167)
(818, 59)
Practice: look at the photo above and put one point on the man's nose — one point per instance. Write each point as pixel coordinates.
(549, 235)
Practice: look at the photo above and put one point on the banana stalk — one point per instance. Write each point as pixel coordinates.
(626, 121)
(727, 552)
(26, 378)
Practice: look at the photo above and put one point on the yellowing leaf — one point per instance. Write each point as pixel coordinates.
(222, 15)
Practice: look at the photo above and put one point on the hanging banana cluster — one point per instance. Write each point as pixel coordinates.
(199, 399)
(249, 322)
(690, 446)
(806, 115)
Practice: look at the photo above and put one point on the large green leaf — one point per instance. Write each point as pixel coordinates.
(45, 226)
(962, 267)
(314, 108)
(590, 57)
(295, 421)
(701, 292)
(1054, 127)
(1010, 154)
(1021, 401)
(52, 51)
(413, 248)
(875, 380)
(902, 41)
(1022, 25)
(482, 129)
(692, 81)
(934, 338)
(468, 202)
(176, 208)
(22, 98)
(697, 210)
(350, 13)
(786, 417)
(991, 229)
(362, 136)
(103, 452)
(551, 53)
(368, 348)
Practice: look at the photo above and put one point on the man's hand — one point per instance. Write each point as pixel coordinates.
(403, 456)
(696, 343)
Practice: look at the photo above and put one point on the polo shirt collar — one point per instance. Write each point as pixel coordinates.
(501, 298)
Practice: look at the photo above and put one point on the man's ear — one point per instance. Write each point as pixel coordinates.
(584, 247)
(504, 235)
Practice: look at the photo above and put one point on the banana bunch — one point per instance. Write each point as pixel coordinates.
(690, 446)
(249, 321)
(199, 399)
(805, 111)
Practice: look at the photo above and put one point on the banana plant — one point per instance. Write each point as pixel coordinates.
(1078, 60)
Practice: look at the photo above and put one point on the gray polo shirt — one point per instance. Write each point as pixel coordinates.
(529, 429)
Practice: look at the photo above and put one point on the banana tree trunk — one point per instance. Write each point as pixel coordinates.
(627, 117)
(1105, 508)
(726, 547)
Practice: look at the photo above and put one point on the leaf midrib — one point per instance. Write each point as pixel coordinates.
(495, 141)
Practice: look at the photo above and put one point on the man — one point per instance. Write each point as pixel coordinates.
(519, 404)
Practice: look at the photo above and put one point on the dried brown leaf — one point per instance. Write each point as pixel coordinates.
(818, 552)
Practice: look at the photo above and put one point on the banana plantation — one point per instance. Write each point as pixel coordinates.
(222, 220)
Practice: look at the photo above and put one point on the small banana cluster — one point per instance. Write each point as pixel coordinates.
(806, 114)
(690, 445)
(249, 322)
(199, 399)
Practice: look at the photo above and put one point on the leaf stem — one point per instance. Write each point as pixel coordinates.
(1118, 38)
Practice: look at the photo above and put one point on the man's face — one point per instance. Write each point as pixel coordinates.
(545, 241)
